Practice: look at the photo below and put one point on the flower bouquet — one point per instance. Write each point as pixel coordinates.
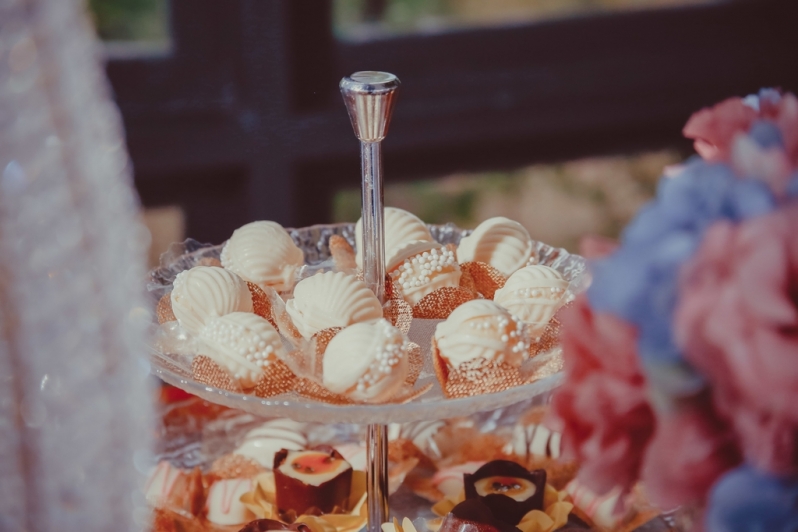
(682, 358)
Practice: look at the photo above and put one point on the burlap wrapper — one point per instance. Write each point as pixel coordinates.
(484, 278)
(164, 309)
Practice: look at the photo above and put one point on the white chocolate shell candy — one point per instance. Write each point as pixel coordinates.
(366, 361)
(401, 227)
(263, 253)
(419, 268)
(207, 291)
(481, 329)
(242, 342)
(534, 294)
(503, 243)
(224, 506)
(261, 443)
(534, 440)
(331, 299)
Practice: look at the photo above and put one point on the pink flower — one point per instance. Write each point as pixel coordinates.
(601, 408)
(691, 448)
(713, 129)
(737, 321)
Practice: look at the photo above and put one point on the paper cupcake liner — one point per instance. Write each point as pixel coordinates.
(485, 278)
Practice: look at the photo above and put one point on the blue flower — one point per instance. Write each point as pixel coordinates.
(639, 281)
(746, 500)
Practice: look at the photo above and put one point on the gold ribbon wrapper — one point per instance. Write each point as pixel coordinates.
(208, 372)
(475, 377)
(342, 254)
(261, 304)
(261, 502)
(557, 506)
(485, 278)
(399, 313)
(277, 379)
(439, 304)
(236, 466)
(415, 362)
(164, 309)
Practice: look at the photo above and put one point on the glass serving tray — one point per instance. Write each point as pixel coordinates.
(314, 240)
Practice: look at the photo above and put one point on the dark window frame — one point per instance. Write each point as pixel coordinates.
(242, 119)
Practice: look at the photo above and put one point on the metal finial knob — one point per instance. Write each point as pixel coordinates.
(370, 98)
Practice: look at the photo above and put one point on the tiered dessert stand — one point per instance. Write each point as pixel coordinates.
(369, 98)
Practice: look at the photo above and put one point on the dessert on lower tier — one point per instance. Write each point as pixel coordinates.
(263, 442)
(313, 480)
(509, 490)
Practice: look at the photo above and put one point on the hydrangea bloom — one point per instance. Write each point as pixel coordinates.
(745, 500)
(638, 282)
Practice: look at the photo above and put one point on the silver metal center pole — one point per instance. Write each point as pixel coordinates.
(369, 98)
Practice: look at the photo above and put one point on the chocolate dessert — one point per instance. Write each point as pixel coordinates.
(312, 481)
(473, 515)
(508, 489)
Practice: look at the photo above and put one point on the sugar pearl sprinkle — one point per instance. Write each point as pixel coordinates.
(238, 340)
(553, 293)
(390, 351)
(509, 329)
(418, 270)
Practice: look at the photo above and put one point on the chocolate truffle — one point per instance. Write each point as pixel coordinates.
(310, 481)
(473, 515)
(508, 489)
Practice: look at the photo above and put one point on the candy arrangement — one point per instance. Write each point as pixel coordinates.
(278, 474)
(681, 365)
(258, 316)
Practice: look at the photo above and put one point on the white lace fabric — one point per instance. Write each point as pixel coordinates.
(74, 400)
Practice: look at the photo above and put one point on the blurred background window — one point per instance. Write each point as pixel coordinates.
(362, 19)
(144, 22)
(560, 113)
(557, 203)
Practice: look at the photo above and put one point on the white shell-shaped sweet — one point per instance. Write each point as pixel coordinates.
(261, 443)
(534, 294)
(331, 299)
(601, 509)
(242, 342)
(206, 291)
(401, 227)
(263, 253)
(503, 243)
(223, 505)
(366, 361)
(419, 268)
(481, 329)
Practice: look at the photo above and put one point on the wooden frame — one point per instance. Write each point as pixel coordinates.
(243, 121)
